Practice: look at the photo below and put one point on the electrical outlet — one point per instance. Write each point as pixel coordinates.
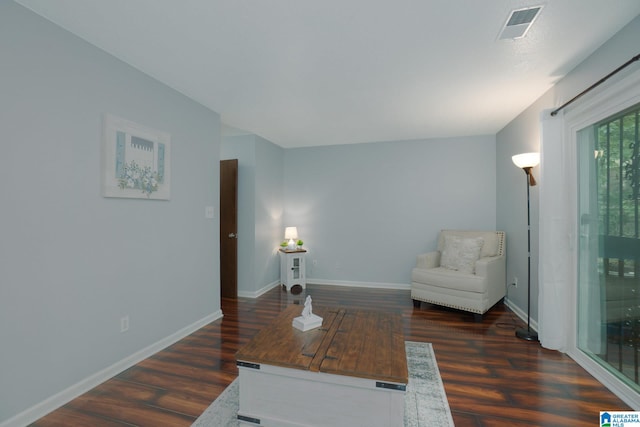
(515, 282)
(124, 323)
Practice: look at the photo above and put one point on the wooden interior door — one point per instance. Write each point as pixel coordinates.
(229, 228)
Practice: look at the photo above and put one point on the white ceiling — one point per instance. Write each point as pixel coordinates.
(304, 73)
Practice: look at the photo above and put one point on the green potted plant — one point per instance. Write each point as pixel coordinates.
(299, 243)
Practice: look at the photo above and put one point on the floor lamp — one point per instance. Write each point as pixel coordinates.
(526, 162)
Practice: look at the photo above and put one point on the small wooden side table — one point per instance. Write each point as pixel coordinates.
(292, 268)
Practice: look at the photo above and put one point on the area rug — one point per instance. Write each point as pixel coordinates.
(425, 400)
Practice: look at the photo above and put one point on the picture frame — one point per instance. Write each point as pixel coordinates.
(136, 160)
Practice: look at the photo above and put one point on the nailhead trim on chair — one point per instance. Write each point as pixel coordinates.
(500, 242)
(457, 307)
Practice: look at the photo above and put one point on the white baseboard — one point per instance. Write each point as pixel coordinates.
(256, 294)
(608, 379)
(378, 285)
(59, 399)
(521, 314)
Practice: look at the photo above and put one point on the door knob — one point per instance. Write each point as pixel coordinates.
(232, 235)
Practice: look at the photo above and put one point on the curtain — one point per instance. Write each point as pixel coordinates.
(591, 297)
(555, 236)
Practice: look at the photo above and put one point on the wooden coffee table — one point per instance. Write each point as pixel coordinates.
(350, 372)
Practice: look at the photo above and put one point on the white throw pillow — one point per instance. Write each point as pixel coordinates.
(449, 256)
(461, 254)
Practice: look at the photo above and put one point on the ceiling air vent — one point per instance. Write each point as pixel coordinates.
(519, 23)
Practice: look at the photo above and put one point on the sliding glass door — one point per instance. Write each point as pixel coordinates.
(608, 158)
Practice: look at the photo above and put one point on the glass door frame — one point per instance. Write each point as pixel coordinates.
(617, 97)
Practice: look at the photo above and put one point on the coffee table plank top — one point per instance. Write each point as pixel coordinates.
(368, 344)
(358, 343)
(280, 344)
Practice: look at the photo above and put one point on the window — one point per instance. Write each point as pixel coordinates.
(609, 254)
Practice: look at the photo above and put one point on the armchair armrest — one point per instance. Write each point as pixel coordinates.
(494, 268)
(428, 260)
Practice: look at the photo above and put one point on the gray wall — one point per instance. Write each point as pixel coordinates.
(365, 211)
(260, 206)
(523, 134)
(269, 204)
(73, 263)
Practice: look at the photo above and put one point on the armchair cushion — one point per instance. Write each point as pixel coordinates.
(493, 240)
(460, 253)
(450, 279)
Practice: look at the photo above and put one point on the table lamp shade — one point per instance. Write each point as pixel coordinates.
(290, 233)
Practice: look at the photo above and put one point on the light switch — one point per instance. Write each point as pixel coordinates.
(208, 212)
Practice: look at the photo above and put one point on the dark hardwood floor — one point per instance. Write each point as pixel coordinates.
(491, 377)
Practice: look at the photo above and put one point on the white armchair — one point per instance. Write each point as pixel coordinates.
(467, 272)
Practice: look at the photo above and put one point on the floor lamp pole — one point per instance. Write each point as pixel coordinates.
(528, 334)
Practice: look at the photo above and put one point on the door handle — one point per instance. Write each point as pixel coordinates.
(232, 235)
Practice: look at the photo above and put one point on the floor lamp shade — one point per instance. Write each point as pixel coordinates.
(527, 161)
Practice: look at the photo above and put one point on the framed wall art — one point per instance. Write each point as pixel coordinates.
(136, 160)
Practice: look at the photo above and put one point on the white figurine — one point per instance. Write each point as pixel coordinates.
(307, 320)
(307, 311)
